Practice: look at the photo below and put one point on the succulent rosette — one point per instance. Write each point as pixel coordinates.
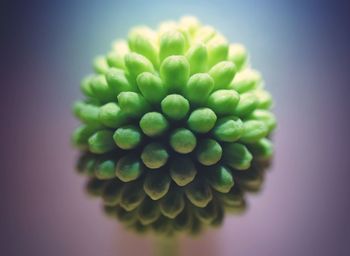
(171, 121)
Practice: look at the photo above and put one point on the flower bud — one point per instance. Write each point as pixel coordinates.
(101, 142)
(154, 155)
(111, 193)
(172, 204)
(132, 196)
(175, 106)
(85, 86)
(197, 57)
(101, 90)
(142, 40)
(217, 50)
(128, 217)
(228, 129)
(183, 141)
(116, 57)
(246, 80)
(156, 184)
(132, 103)
(169, 120)
(153, 124)
(190, 24)
(100, 65)
(237, 156)
(208, 152)
(202, 120)
(222, 73)
(238, 55)
(198, 88)
(264, 99)
(220, 178)
(223, 102)
(175, 71)
(127, 137)
(266, 117)
(129, 168)
(111, 115)
(208, 213)
(199, 193)
(205, 33)
(82, 134)
(118, 81)
(95, 187)
(105, 170)
(137, 64)
(263, 148)
(254, 130)
(246, 105)
(172, 42)
(182, 171)
(151, 87)
(148, 212)
(87, 113)
(233, 199)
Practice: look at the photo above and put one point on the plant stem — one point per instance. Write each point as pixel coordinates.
(166, 246)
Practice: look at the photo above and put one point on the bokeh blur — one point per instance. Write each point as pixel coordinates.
(301, 48)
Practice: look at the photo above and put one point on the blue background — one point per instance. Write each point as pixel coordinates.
(302, 50)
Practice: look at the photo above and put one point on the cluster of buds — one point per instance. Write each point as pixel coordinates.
(175, 124)
(131, 205)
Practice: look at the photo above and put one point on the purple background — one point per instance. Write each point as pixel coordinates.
(302, 49)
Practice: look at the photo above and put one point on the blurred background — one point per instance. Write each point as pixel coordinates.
(301, 48)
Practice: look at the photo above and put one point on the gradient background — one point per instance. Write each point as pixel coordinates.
(302, 49)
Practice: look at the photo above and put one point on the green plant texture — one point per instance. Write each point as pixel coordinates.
(174, 120)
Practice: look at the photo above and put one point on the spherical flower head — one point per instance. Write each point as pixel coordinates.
(172, 119)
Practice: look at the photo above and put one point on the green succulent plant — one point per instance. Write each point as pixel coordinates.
(169, 121)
